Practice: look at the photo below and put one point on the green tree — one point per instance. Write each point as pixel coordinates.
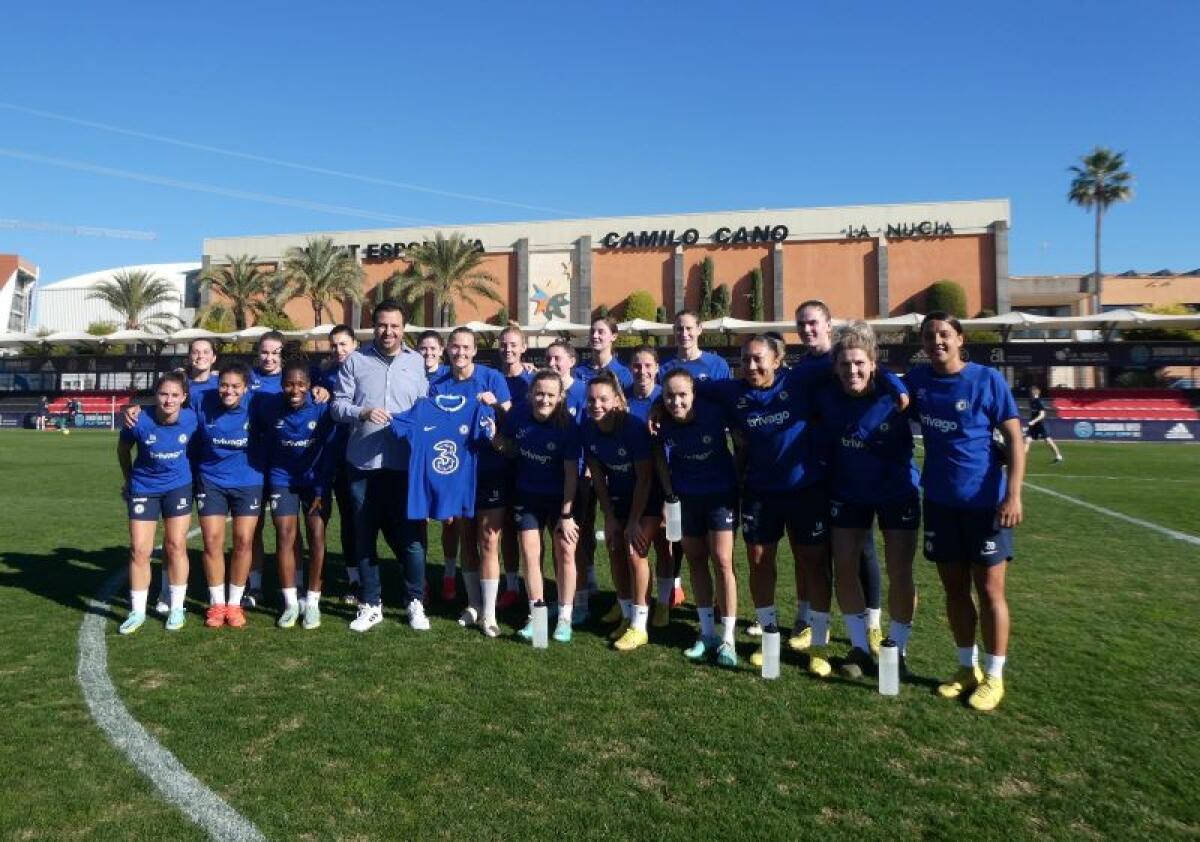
(757, 305)
(601, 312)
(720, 306)
(449, 269)
(707, 271)
(270, 309)
(102, 328)
(217, 317)
(1102, 180)
(136, 294)
(984, 335)
(1166, 334)
(241, 282)
(323, 274)
(947, 296)
(639, 305)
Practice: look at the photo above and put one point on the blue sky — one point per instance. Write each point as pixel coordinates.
(592, 110)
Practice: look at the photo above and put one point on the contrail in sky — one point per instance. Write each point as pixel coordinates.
(78, 230)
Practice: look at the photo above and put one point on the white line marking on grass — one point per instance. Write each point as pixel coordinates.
(178, 786)
(1162, 530)
(1122, 479)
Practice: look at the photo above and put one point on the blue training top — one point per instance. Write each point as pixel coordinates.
(698, 452)
(300, 444)
(518, 387)
(617, 451)
(640, 407)
(197, 388)
(445, 434)
(482, 379)
(708, 366)
(542, 448)
(228, 452)
(270, 384)
(586, 371)
(161, 464)
(868, 444)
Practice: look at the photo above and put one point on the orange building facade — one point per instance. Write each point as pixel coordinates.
(865, 261)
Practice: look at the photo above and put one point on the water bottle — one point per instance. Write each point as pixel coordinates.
(674, 516)
(889, 668)
(770, 646)
(541, 638)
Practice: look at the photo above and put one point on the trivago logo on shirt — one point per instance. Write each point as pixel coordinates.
(772, 419)
(942, 425)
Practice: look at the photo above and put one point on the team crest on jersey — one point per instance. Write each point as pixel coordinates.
(246, 425)
(592, 448)
(706, 439)
(961, 404)
(620, 451)
(921, 394)
(462, 431)
(783, 395)
(183, 438)
(884, 427)
(446, 461)
(138, 509)
(551, 446)
(312, 425)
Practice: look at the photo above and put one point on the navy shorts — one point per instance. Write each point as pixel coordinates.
(704, 513)
(492, 491)
(243, 501)
(966, 536)
(803, 512)
(1037, 431)
(290, 502)
(654, 505)
(534, 512)
(904, 514)
(174, 503)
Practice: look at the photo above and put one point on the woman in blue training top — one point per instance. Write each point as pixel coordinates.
(869, 447)
(971, 506)
(158, 483)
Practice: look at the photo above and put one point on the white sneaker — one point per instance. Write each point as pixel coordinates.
(417, 620)
(468, 617)
(161, 607)
(489, 627)
(368, 616)
(754, 629)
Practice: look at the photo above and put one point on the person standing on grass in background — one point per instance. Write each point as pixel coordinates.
(433, 351)
(543, 442)
(868, 445)
(695, 465)
(618, 452)
(341, 345)
(518, 377)
(299, 441)
(376, 381)
(702, 365)
(158, 484)
(601, 338)
(1037, 428)
(971, 506)
(480, 533)
(42, 414)
(266, 377)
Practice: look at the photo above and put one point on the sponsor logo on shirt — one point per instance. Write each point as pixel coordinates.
(754, 421)
(446, 462)
(235, 444)
(942, 425)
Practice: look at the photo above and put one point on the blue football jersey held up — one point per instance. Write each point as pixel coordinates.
(482, 379)
(445, 434)
(161, 464)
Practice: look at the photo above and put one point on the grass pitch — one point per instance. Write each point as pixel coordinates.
(331, 735)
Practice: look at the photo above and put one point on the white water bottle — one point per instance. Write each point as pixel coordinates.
(541, 639)
(889, 668)
(674, 517)
(770, 647)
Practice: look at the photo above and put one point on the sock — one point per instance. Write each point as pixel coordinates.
(178, 594)
(581, 599)
(626, 608)
(706, 621)
(235, 594)
(313, 598)
(163, 582)
(511, 582)
(802, 613)
(255, 580)
(666, 590)
(900, 632)
(564, 614)
(449, 568)
(471, 580)
(138, 598)
(352, 574)
(216, 594)
(289, 597)
(995, 665)
(766, 616)
(640, 614)
(820, 627)
(678, 583)
(968, 656)
(856, 624)
(874, 618)
(728, 630)
(488, 589)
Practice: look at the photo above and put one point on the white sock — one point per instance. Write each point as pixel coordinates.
(706, 620)
(666, 590)
(138, 598)
(565, 613)
(856, 624)
(968, 656)
(289, 597)
(255, 581)
(489, 588)
(820, 627)
(678, 583)
(449, 568)
(766, 615)
(581, 599)
(874, 618)
(900, 633)
(640, 613)
(313, 598)
(995, 665)
(512, 582)
(729, 630)
(471, 580)
(352, 574)
(216, 594)
(802, 613)
(235, 593)
(178, 594)
(626, 608)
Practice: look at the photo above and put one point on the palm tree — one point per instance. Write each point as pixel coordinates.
(241, 281)
(448, 269)
(1100, 182)
(138, 295)
(269, 310)
(323, 273)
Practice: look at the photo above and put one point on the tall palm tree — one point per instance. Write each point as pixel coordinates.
(448, 270)
(241, 281)
(138, 295)
(1100, 182)
(323, 273)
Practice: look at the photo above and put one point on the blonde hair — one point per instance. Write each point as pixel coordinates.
(856, 335)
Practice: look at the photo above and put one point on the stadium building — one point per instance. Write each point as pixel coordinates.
(865, 260)
(67, 304)
(18, 280)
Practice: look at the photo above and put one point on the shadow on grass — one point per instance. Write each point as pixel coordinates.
(69, 576)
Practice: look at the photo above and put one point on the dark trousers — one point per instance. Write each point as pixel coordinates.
(380, 499)
(345, 507)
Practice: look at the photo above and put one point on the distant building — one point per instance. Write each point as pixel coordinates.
(18, 278)
(65, 305)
